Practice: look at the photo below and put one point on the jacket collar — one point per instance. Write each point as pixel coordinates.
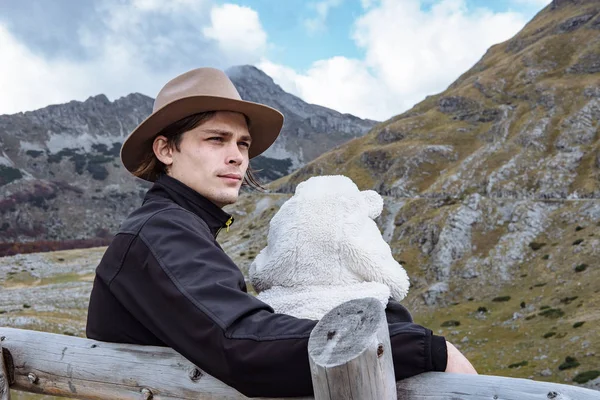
(168, 187)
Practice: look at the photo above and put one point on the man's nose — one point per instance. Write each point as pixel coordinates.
(234, 155)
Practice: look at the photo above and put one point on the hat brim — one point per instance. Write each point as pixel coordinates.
(265, 124)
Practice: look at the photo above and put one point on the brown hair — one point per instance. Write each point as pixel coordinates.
(151, 167)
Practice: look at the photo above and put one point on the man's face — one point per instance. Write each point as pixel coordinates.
(213, 157)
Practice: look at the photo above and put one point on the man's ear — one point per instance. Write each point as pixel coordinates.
(162, 150)
(374, 203)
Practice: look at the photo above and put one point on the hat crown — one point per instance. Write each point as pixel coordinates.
(197, 82)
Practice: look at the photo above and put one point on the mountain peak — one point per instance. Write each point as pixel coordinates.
(97, 99)
(249, 73)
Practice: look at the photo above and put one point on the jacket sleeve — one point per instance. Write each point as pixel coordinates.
(181, 286)
(415, 349)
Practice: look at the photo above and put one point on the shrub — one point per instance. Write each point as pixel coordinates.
(501, 298)
(522, 304)
(450, 323)
(586, 376)
(98, 172)
(578, 324)
(570, 362)
(549, 334)
(579, 228)
(529, 317)
(26, 305)
(546, 257)
(9, 174)
(96, 159)
(540, 284)
(519, 364)
(535, 246)
(577, 242)
(482, 310)
(567, 300)
(552, 313)
(581, 267)
(544, 307)
(79, 160)
(34, 153)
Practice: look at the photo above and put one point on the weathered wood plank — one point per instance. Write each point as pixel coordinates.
(444, 386)
(81, 368)
(4, 381)
(350, 353)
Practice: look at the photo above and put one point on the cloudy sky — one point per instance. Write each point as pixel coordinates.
(371, 58)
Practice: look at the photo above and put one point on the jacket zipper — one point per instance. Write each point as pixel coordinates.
(229, 222)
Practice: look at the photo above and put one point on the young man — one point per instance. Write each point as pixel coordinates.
(165, 281)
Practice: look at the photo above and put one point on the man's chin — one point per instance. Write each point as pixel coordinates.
(225, 199)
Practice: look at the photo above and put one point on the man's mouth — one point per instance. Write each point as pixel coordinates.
(233, 177)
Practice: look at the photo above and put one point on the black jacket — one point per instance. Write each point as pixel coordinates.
(165, 281)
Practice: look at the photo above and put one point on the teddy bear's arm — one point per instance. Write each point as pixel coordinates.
(368, 256)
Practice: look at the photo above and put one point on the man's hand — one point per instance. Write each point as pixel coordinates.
(457, 362)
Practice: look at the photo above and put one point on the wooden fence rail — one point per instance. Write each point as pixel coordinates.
(349, 353)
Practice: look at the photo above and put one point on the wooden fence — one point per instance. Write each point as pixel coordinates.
(349, 353)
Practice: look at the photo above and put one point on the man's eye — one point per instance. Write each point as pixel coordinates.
(216, 138)
(245, 144)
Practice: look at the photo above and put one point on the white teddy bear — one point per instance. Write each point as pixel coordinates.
(324, 249)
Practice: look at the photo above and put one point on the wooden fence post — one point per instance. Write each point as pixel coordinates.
(4, 380)
(350, 353)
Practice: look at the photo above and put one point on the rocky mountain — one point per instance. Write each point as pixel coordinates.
(60, 174)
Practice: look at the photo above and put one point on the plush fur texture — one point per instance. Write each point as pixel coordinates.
(324, 248)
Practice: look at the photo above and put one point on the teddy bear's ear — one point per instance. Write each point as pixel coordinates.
(299, 187)
(374, 202)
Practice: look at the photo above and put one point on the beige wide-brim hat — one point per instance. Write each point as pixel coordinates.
(200, 90)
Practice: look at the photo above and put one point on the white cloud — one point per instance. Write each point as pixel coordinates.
(339, 83)
(237, 30)
(318, 22)
(367, 3)
(168, 6)
(134, 48)
(410, 53)
(28, 81)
